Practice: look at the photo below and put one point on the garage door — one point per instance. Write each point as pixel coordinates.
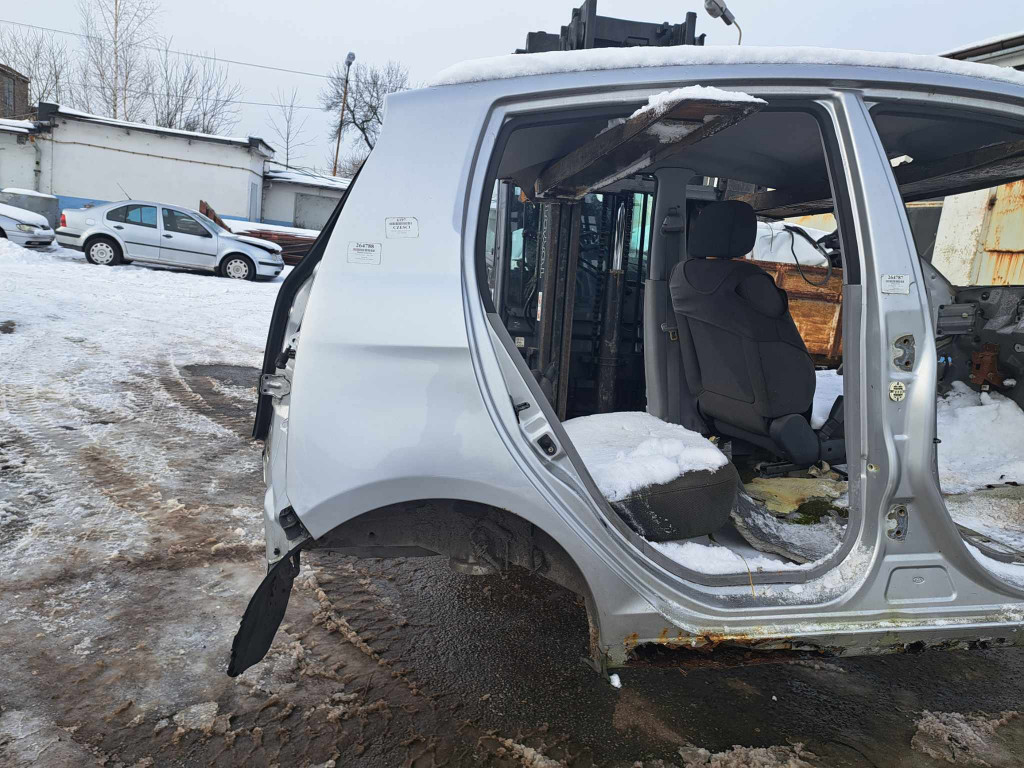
(312, 211)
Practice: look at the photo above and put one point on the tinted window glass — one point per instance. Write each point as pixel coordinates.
(141, 215)
(117, 214)
(176, 221)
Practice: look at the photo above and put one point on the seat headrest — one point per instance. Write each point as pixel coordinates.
(724, 229)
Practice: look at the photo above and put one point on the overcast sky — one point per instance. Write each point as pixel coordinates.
(312, 35)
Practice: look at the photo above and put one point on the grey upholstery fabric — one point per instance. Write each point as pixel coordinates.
(742, 353)
(696, 504)
(724, 230)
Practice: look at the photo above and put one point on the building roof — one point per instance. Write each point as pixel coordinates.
(306, 178)
(13, 72)
(17, 126)
(522, 65)
(989, 44)
(48, 112)
(997, 49)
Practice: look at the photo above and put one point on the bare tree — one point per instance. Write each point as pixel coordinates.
(46, 60)
(118, 70)
(192, 93)
(286, 125)
(174, 82)
(215, 102)
(367, 88)
(348, 164)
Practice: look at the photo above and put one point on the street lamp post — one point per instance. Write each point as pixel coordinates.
(341, 122)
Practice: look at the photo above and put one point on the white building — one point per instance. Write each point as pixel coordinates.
(1004, 51)
(300, 198)
(82, 158)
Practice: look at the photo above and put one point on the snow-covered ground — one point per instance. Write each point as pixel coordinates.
(131, 534)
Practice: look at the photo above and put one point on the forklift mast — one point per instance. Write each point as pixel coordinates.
(588, 30)
(569, 278)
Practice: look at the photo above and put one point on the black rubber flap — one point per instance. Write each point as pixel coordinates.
(263, 615)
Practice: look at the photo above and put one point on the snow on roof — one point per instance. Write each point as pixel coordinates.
(47, 111)
(292, 176)
(525, 64)
(999, 41)
(660, 103)
(28, 192)
(17, 126)
(240, 226)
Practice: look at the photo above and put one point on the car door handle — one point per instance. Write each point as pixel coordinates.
(168, 235)
(118, 226)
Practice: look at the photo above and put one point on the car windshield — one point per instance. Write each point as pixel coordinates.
(209, 222)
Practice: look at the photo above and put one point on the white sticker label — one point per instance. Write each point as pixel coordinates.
(363, 253)
(402, 226)
(896, 284)
(897, 391)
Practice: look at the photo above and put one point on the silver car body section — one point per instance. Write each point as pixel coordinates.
(401, 382)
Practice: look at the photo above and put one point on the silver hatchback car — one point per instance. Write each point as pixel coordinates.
(167, 235)
(532, 335)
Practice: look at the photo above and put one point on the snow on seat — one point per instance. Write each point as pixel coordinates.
(665, 481)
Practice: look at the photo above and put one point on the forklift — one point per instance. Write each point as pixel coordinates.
(603, 240)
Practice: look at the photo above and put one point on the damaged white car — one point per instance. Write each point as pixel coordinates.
(559, 344)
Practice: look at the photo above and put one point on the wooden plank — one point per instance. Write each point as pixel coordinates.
(626, 149)
(816, 310)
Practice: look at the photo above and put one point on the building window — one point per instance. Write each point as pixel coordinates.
(7, 97)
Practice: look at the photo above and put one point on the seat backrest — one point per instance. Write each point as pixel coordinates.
(742, 354)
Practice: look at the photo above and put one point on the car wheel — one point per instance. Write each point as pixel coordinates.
(238, 268)
(104, 252)
(3, 235)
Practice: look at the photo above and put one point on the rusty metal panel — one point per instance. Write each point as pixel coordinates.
(1006, 227)
(1002, 260)
(816, 310)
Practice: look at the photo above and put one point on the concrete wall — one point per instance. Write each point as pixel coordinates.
(86, 162)
(279, 202)
(17, 160)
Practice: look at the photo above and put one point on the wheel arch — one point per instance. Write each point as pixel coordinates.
(234, 252)
(91, 237)
(475, 536)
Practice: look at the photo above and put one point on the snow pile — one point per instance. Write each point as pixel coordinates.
(827, 388)
(716, 560)
(996, 513)
(552, 62)
(24, 216)
(29, 192)
(775, 243)
(660, 103)
(629, 450)
(952, 737)
(982, 436)
(748, 757)
(1011, 573)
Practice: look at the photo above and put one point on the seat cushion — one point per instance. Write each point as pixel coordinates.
(665, 481)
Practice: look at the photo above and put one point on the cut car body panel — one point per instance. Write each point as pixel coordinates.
(386, 408)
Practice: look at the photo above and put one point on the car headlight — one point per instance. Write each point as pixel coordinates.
(26, 228)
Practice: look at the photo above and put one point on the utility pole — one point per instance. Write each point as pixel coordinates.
(341, 122)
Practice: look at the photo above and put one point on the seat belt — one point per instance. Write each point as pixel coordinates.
(673, 370)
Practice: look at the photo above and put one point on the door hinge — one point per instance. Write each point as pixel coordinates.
(275, 385)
